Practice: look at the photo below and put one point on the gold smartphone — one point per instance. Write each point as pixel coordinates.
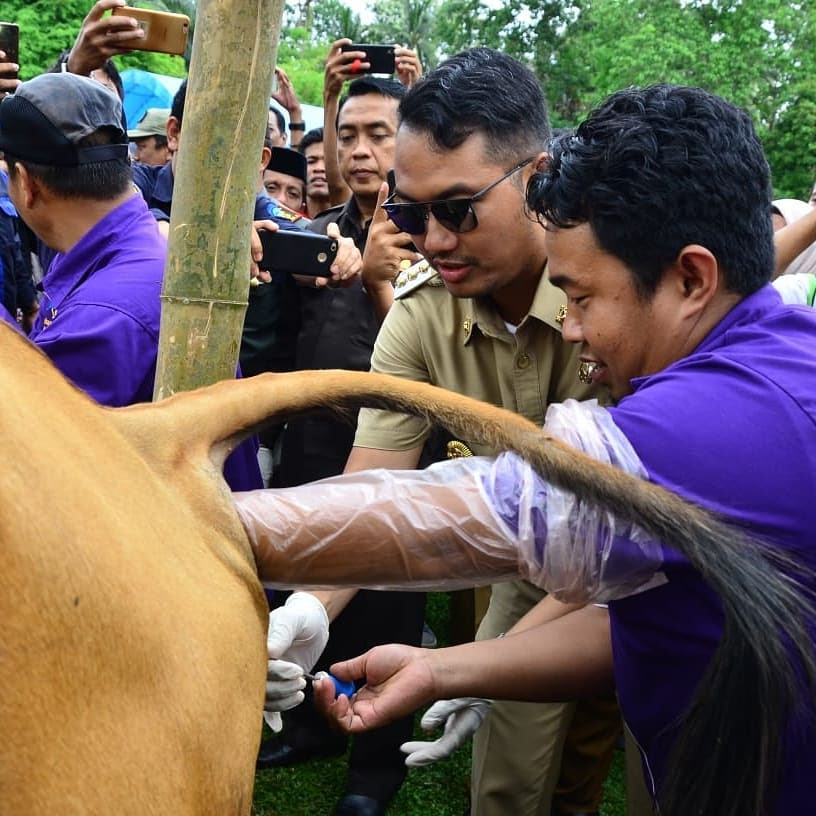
(165, 32)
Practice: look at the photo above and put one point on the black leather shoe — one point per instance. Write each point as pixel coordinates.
(275, 753)
(355, 804)
(574, 813)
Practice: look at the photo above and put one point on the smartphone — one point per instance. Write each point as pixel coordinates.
(392, 185)
(298, 253)
(10, 43)
(165, 32)
(380, 57)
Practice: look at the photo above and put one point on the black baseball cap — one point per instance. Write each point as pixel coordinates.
(45, 118)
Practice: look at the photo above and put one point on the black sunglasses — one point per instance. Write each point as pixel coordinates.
(454, 214)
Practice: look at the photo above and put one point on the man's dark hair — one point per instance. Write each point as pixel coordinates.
(99, 181)
(281, 120)
(108, 66)
(372, 85)
(314, 136)
(177, 106)
(655, 169)
(480, 91)
(115, 77)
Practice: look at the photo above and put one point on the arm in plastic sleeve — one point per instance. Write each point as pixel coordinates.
(457, 524)
(569, 546)
(380, 528)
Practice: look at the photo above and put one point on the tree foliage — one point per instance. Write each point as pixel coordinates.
(47, 28)
(760, 54)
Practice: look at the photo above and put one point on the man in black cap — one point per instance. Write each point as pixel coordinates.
(285, 178)
(70, 180)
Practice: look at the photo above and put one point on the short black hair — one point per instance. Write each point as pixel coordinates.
(108, 66)
(97, 181)
(365, 85)
(281, 120)
(652, 170)
(115, 77)
(177, 106)
(313, 136)
(480, 90)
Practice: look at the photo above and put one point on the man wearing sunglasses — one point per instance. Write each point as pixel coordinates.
(470, 135)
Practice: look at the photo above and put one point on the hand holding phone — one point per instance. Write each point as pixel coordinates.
(297, 253)
(164, 31)
(10, 45)
(380, 58)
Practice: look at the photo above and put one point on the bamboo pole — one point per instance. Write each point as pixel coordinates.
(206, 280)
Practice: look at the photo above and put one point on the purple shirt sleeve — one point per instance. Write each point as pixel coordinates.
(104, 352)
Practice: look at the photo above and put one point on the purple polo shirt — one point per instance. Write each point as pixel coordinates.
(100, 309)
(730, 427)
(100, 312)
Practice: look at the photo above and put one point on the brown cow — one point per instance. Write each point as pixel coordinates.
(132, 660)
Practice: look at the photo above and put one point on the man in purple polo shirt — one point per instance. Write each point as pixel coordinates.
(70, 179)
(657, 213)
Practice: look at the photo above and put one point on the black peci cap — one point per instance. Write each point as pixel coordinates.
(289, 162)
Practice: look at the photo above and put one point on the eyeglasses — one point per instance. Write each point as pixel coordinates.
(454, 214)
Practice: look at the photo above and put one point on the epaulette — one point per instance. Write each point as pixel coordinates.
(415, 276)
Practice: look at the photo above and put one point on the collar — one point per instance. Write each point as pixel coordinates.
(67, 271)
(547, 307)
(349, 222)
(749, 310)
(161, 197)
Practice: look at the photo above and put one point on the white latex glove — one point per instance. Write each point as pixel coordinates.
(462, 718)
(298, 633)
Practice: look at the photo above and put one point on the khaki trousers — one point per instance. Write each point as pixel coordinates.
(518, 750)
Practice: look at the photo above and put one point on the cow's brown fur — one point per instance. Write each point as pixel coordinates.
(132, 659)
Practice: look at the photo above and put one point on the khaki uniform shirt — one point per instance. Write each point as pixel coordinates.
(462, 344)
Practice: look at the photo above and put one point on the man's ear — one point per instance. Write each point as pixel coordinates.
(173, 130)
(697, 277)
(266, 155)
(541, 162)
(30, 188)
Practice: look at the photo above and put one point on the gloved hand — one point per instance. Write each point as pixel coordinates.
(462, 718)
(298, 633)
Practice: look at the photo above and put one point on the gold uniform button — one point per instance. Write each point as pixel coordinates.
(523, 361)
(457, 449)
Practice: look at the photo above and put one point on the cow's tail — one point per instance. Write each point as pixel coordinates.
(727, 760)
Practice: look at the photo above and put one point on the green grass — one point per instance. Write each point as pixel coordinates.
(313, 789)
